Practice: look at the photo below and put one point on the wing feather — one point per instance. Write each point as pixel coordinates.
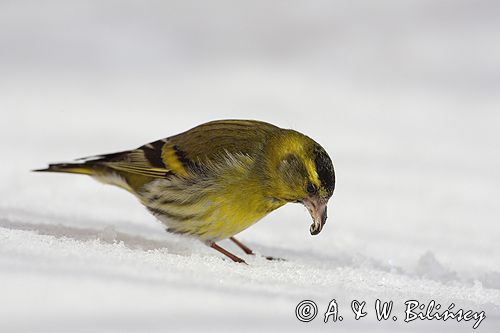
(136, 162)
(188, 152)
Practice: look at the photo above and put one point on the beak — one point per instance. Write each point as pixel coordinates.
(317, 209)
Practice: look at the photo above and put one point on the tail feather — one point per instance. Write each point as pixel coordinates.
(78, 168)
(86, 165)
(99, 167)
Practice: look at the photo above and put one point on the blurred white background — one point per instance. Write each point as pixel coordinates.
(404, 95)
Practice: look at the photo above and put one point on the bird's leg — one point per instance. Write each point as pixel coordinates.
(249, 251)
(226, 253)
(242, 246)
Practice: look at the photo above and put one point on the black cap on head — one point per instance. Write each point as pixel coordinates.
(324, 167)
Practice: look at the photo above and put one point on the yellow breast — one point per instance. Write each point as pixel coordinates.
(233, 210)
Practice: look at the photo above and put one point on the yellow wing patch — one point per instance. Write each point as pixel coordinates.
(171, 157)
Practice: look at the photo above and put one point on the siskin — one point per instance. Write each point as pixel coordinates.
(217, 179)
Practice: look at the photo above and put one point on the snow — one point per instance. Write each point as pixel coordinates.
(403, 96)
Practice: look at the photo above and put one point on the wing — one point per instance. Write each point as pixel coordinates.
(209, 141)
(187, 152)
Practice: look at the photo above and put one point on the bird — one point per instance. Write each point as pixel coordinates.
(217, 179)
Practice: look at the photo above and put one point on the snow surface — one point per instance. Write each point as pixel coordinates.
(403, 96)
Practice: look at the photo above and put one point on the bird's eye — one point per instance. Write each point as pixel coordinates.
(311, 189)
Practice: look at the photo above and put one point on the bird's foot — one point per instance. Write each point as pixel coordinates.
(249, 251)
(274, 258)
